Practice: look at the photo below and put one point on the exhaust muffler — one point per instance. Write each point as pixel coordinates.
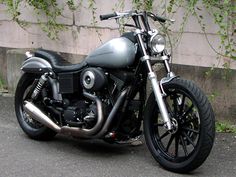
(34, 112)
(96, 132)
(39, 116)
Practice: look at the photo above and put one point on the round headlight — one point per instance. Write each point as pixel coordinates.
(157, 43)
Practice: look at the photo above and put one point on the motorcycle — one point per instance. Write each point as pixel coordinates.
(104, 97)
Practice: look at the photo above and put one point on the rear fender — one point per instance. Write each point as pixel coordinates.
(36, 65)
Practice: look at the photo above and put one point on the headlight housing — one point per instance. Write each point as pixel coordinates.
(157, 43)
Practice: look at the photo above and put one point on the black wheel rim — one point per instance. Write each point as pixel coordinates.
(180, 145)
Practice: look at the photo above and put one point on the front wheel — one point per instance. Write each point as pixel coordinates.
(188, 146)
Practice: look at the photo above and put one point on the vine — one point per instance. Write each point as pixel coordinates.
(13, 10)
(143, 4)
(48, 8)
(72, 6)
(51, 10)
(222, 11)
(94, 19)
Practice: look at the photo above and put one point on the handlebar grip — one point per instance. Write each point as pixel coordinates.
(161, 19)
(107, 16)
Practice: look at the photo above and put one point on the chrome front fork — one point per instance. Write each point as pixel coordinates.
(159, 99)
(155, 84)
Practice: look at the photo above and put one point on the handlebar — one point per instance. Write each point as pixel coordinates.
(117, 15)
(107, 16)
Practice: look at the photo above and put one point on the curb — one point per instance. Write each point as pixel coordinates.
(5, 93)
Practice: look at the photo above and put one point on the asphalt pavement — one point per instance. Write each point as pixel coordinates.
(68, 157)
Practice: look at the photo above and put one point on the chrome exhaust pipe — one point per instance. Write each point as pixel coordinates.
(98, 131)
(41, 117)
(87, 133)
(112, 114)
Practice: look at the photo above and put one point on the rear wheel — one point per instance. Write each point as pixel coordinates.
(32, 128)
(187, 147)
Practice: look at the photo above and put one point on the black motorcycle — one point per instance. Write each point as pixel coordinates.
(104, 97)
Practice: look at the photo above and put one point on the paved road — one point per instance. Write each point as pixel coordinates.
(67, 157)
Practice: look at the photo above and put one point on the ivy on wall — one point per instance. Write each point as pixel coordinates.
(223, 13)
(48, 8)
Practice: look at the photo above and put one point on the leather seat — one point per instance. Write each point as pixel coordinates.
(58, 63)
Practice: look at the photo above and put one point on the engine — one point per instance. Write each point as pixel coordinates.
(106, 85)
(81, 114)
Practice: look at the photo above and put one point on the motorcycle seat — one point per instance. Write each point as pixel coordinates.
(58, 63)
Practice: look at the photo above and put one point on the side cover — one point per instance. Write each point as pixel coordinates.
(36, 65)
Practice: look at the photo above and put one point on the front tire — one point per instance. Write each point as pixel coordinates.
(189, 145)
(32, 128)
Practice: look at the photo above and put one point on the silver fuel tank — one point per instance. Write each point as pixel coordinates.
(116, 53)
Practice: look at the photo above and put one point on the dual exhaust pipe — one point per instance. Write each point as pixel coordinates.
(97, 131)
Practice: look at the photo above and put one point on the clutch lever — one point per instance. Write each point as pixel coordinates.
(159, 18)
(130, 25)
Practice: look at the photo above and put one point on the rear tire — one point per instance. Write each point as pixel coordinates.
(188, 147)
(32, 128)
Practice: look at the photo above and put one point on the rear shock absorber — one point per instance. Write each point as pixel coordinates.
(43, 79)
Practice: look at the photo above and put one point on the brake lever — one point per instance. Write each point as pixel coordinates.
(159, 18)
(130, 25)
(163, 19)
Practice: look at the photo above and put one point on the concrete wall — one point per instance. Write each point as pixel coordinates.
(221, 91)
(3, 64)
(15, 58)
(81, 36)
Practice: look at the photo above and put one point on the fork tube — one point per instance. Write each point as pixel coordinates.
(155, 84)
(157, 91)
(167, 66)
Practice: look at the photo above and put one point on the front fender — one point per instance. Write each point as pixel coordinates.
(36, 65)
